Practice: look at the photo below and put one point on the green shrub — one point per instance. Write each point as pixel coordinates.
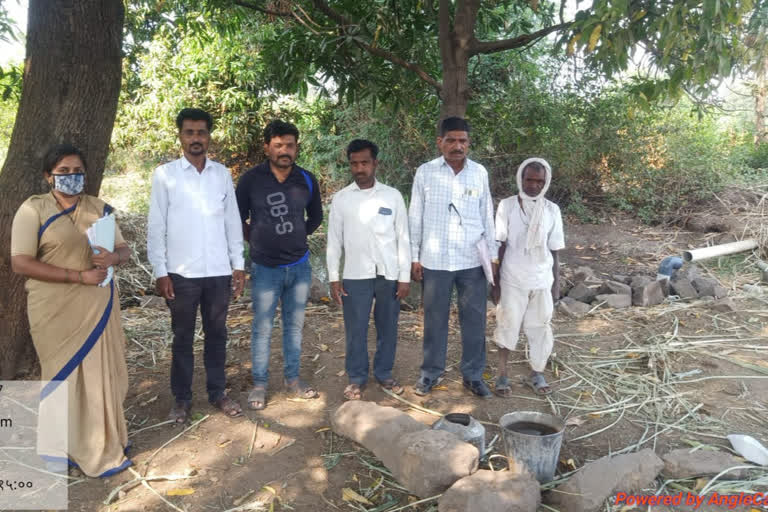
(758, 156)
(601, 146)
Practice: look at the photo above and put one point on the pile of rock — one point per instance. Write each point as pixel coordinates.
(636, 474)
(430, 462)
(622, 291)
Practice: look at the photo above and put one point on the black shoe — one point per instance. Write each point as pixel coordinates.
(478, 387)
(425, 385)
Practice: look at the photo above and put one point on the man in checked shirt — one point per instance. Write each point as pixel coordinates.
(451, 213)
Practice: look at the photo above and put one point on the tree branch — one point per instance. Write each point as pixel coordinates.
(343, 25)
(323, 7)
(255, 7)
(515, 42)
(326, 9)
(394, 59)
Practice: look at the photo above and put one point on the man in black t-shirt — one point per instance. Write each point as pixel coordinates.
(274, 197)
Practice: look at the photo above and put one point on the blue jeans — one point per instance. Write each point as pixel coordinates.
(290, 286)
(357, 312)
(473, 295)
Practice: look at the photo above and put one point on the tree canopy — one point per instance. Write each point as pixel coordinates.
(409, 48)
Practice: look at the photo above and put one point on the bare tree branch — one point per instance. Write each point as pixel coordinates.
(515, 42)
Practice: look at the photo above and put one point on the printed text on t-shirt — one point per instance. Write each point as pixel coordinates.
(278, 210)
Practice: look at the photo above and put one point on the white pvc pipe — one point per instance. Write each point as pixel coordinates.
(718, 250)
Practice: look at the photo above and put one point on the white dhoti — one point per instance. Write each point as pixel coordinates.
(531, 310)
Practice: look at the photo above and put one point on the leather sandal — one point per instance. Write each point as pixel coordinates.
(537, 383)
(353, 392)
(180, 411)
(502, 387)
(228, 406)
(392, 385)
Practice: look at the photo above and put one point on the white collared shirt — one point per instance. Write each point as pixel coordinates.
(520, 268)
(449, 214)
(371, 226)
(194, 225)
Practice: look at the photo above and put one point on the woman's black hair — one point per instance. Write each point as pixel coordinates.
(59, 151)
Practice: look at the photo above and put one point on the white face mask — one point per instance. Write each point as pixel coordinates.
(70, 184)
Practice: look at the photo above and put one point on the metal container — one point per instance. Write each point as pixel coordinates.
(535, 447)
(465, 427)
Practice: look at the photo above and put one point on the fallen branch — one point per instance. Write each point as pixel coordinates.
(253, 438)
(278, 449)
(151, 426)
(146, 464)
(425, 500)
(136, 481)
(146, 484)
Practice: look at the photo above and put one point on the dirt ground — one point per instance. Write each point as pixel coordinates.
(685, 372)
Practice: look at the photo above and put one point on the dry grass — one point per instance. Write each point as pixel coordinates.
(650, 376)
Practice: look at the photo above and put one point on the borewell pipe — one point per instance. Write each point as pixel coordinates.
(704, 253)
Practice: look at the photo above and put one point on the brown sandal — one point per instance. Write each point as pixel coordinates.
(353, 392)
(180, 411)
(392, 385)
(228, 406)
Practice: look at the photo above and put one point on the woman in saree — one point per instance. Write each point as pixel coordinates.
(74, 322)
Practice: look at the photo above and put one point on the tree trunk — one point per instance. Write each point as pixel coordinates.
(455, 40)
(761, 92)
(69, 93)
(455, 93)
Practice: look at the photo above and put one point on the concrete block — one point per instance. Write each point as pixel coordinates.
(615, 300)
(683, 288)
(582, 293)
(650, 294)
(614, 287)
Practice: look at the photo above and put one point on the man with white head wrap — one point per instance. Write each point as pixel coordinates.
(530, 229)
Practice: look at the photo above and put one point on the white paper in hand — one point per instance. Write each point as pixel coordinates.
(485, 258)
(102, 233)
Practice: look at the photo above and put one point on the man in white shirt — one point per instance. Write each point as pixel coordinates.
(530, 230)
(195, 246)
(451, 215)
(368, 222)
